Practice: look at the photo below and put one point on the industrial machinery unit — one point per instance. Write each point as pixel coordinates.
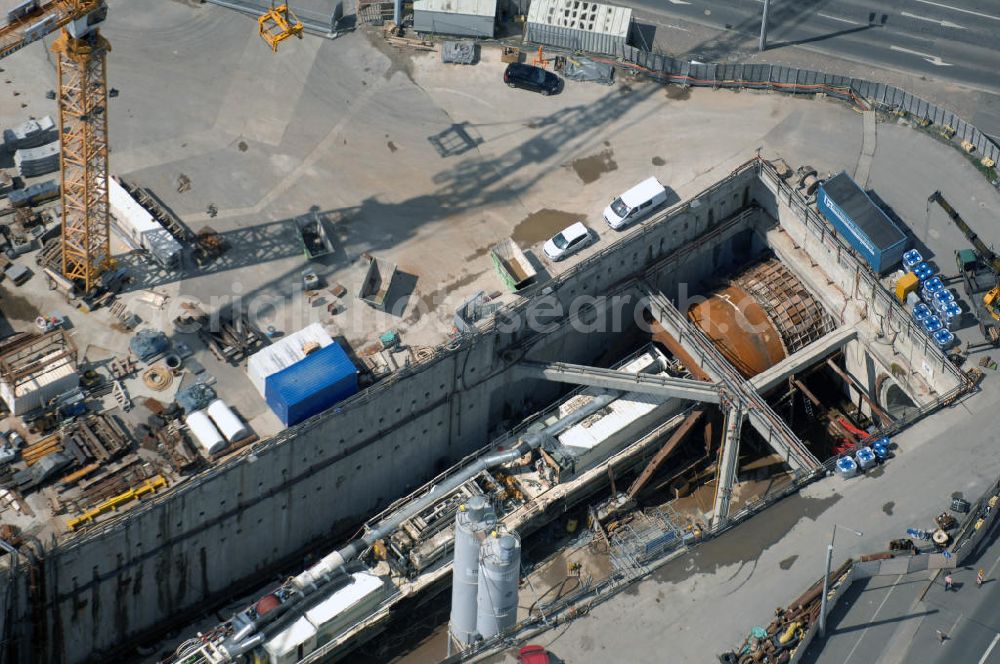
(83, 123)
(979, 268)
(552, 461)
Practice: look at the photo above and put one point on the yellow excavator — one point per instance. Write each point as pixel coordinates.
(278, 24)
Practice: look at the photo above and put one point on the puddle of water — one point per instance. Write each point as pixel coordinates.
(482, 251)
(541, 225)
(678, 93)
(887, 508)
(747, 541)
(16, 307)
(659, 161)
(589, 169)
(788, 562)
(431, 301)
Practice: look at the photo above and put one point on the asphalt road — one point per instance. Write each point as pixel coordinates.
(954, 40)
(892, 620)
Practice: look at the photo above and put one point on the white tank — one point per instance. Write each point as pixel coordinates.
(228, 422)
(205, 433)
(499, 575)
(473, 521)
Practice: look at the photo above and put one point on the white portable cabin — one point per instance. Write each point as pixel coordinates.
(36, 389)
(284, 353)
(140, 229)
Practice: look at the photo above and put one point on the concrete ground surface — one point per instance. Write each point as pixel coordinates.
(895, 619)
(706, 602)
(427, 166)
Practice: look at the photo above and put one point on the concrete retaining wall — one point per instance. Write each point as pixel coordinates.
(235, 526)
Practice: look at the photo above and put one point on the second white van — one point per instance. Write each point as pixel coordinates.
(635, 203)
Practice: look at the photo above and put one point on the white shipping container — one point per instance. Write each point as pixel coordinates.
(227, 421)
(622, 421)
(140, 228)
(345, 606)
(284, 353)
(292, 643)
(205, 433)
(37, 389)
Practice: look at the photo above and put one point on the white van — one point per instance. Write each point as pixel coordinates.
(635, 203)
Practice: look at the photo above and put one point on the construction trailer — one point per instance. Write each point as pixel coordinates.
(577, 25)
(463, 18)
(36, 370)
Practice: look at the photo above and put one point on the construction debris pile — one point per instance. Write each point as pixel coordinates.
(786, 633)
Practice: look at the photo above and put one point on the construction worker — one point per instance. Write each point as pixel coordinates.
(949, 583)
(980, 577)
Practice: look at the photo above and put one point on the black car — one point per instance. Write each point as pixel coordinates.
(533, 78)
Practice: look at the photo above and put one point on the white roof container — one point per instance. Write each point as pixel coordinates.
(139, 227)
(578, 25)
(622, 421)
(292, 643)
(345, 605)
(205, 433)
(34, 390)
(470, 7)
(284, 353)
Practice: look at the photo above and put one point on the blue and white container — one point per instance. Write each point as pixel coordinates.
(866, 458)
(944, 338)
(931, 287)
(881, 448)
(921, 312)
(923, 271)
(911, 259)
(952, 315)
(944, 296)
(932, 324)
(847, 466)
(311, 385)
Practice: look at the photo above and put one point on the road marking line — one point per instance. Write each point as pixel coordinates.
(993, 644)
(959, 9)
(954, 625)
(870, 620)
(933, 59)
(837, 18)
(990, 573)
(943, 24)
(679, 2)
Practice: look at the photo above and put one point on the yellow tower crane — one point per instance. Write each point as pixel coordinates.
(83, 123)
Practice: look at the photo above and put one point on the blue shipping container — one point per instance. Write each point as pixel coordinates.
(311, 385)
(862, 223)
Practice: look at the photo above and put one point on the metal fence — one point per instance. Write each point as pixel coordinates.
(792, 80)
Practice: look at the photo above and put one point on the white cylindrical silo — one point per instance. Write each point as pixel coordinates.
(205, 433)
(227, 421)
(472, 523)
(499, 575)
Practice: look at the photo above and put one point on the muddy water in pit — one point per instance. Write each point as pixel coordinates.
(540, 226)
(589, 169)
(745, 543)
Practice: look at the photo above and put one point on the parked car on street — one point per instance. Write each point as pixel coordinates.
(531, 78)
(568, 241)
